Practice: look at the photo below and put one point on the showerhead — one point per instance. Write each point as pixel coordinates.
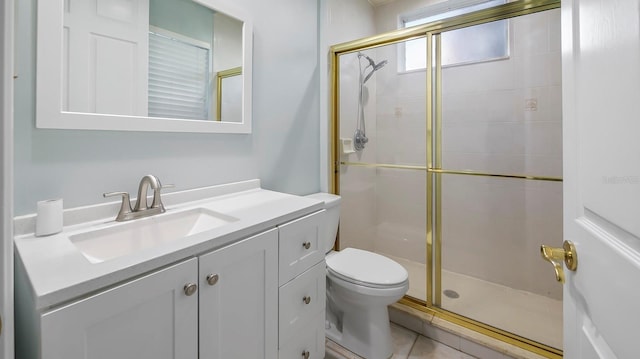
(380, 65)
(371, 62)
(376, 67)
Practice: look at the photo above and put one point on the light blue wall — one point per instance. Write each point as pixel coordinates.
(283, 150)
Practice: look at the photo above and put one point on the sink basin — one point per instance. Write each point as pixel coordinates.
(130, 237)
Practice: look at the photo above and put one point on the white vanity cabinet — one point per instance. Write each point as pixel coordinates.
(147, 318)
(252, 290)
(229, 294)
(301, 308)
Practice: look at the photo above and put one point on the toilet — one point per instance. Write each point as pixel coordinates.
(360, 286)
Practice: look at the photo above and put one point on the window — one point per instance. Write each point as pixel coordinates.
(478, 43)
(179, 80)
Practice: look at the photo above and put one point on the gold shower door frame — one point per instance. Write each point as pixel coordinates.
(432, 33)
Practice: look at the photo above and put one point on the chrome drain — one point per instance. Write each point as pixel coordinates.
(451, 293)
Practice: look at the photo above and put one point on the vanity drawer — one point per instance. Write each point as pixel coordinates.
(300, 245)
(311, 340)
(301, 300)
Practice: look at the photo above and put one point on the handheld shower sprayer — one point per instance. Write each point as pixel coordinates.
(376, 67)
(360, 137)
(371, 62)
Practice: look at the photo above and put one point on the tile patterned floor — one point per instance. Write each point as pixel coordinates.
(407, 345)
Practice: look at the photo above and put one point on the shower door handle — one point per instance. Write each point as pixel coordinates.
(556, 256)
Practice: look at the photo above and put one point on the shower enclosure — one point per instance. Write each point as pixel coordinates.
(458, 175)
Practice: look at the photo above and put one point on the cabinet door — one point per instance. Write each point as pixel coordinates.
(147, 318)
(300, 301)
(239, 300)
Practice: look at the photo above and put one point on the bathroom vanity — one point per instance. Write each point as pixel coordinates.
(235, 271)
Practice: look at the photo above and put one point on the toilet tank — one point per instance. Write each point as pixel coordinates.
(332, 206)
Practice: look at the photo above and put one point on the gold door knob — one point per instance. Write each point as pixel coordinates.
(556, 256)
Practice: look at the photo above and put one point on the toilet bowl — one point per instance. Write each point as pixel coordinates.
(360, 286)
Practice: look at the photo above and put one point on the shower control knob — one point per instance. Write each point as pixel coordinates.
(306, 245)
(305, 354)
(306, 299)
(190, 289)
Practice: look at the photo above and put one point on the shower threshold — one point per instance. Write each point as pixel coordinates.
(526, 314)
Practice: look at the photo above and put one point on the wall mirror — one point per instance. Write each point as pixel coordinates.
(144, 65)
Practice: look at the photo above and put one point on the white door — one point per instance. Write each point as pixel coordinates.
(106, 56)
(152, 317)
(601, 101)
(6, 180)
(239, 300)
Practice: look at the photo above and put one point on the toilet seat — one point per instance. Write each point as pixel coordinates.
(366, 269)
(366, 292)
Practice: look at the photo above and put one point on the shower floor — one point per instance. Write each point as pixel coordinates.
(529, 315)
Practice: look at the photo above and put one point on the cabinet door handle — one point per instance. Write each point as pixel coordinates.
(212, 279)
(190, 289)
(305, 354)
(306, 299)
(306, 245)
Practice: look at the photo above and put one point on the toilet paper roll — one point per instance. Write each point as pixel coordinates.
(49, 217)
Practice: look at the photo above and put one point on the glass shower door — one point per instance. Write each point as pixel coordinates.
(382, 179)
(499, 186)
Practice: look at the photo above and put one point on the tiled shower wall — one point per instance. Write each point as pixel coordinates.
(502, 117)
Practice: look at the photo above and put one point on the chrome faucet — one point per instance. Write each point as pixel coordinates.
(141, 208)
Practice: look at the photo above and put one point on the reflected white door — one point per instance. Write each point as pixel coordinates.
(601, 101)
(106, 56)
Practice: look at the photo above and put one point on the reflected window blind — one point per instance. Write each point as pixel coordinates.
(178, 78)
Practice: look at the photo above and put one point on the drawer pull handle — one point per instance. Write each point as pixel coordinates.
(305, 354)
(306, 299)
(306, 245)
(212, 279)
(190, 289)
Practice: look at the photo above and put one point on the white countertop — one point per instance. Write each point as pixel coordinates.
(58, 272)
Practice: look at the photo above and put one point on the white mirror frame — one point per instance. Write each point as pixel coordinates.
(49, 82)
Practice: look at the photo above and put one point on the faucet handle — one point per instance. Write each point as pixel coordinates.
(171, 185)
(125, 207)
(113, 194)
